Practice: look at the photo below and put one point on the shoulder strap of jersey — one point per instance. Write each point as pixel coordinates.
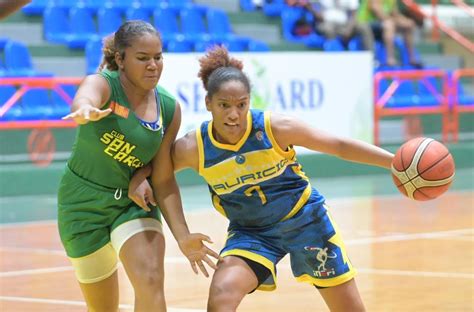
(167, 105)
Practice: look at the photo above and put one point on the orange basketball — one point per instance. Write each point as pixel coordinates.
(422, 169)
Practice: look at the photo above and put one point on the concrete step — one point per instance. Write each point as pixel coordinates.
(31, 34)
(266, 33)
(61, 66)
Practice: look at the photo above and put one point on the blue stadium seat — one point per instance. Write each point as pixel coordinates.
(274, 8)
(380, 52)
(193, 25)
(60, 107)
(152, 4)
(138, 13)
(333, 45)
(202, 46)
(35, 7)
(123, 5)
(82, 27)
(258, 46)
(93, 5)
(179, 46)
(6, 92)
(93, 54)
(36, 105)
(218, 24)
(56, 24)
(289, 16)
(247, 5)
(65, 4)
(235, 45)
(3, 42)
(180, 4)
(166, 22)
(355, 44)
(109, 20)
(18, 61)
(403, 51)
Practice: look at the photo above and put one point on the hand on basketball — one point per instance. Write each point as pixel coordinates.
(193, 248)
(88, 113)
(141, 193)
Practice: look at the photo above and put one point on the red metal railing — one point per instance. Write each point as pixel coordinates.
(397, 78)
(439, 25)
(456, 107)
(24, 84)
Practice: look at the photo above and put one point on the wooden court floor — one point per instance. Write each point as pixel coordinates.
(410, 257)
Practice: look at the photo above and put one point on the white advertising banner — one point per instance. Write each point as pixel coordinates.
(330, 91)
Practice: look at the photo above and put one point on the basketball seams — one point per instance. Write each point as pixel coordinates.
(416, 155)
(412, 170)
(437, 162)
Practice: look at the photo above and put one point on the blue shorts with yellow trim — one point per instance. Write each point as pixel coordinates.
(317, 252)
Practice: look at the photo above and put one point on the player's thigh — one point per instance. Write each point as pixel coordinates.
(141, 246)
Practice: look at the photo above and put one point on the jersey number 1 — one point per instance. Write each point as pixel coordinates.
(259, 191)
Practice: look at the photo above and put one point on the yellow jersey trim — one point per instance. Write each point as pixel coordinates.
(290, 154)
(231, 147)
(200, 150)
(303, 199)
(330, 282)
(216, 202)
(257, 258)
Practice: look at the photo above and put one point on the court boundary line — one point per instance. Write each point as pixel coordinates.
(82, 303)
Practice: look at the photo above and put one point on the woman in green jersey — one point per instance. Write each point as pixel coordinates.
(126, 121)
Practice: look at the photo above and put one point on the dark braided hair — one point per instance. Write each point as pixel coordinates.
(122, 39)
(217, 67)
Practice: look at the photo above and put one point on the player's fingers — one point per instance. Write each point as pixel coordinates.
(142, 203)
(212, 253)
(103, 113)
(203, 268)
(210, 262)
(68, 116)
(193, 266)
(151, 197)
(86, 114)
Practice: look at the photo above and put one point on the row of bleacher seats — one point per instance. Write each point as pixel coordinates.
(187, 28)
(15, 60)
(37, 7)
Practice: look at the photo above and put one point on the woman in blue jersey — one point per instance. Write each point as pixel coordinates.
(125, 122)
(247, 158)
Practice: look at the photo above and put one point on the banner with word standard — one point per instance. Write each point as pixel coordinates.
(329, 91)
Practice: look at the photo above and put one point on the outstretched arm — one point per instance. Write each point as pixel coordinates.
(169, 199)
(291, 131)
(91, 95)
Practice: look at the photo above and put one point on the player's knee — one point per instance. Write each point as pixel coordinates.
(224, 295)
(147, 281)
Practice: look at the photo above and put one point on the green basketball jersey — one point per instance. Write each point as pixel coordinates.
(107, 152)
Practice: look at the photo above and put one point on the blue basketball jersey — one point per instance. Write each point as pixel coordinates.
(253, 183)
